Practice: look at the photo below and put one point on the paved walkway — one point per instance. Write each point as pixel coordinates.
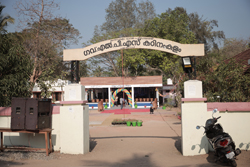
(156, 144)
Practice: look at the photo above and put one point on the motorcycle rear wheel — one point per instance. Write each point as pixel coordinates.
(233, 163)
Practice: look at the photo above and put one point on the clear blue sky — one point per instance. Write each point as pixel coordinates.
(233, 15)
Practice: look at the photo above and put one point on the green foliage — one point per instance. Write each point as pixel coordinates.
(44, 87)
(124, 14)
(15, 70)
(227, 83)
(4, 20)
(223, 80)
(123, 19)
(234, 46)
(169, 103)
(204, 31)
(84, 69)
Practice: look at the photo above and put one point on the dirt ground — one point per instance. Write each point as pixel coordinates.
(155, 144)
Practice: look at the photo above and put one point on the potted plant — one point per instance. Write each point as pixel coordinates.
(135, 104)
(139, 123)
(106, 105)
(128, 122)
(164, 106)
(134, 123)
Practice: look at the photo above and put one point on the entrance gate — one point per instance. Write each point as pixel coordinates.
(75, 55)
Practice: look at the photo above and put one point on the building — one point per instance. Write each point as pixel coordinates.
(244, 59)
(140, 90)
(57, 90)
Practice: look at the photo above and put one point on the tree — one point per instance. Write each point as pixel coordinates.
(98, 72)
(83, 69)
(123, 18)
(125, 14)
(44, 36)
(227, 83)
(203, 30)
(4, 20)
(171, 25)
(15, 69)
(234, 46)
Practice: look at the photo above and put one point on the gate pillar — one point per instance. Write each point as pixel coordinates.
(193, 113)
(74, 121)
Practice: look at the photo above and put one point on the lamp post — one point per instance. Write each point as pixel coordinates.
(187, 65)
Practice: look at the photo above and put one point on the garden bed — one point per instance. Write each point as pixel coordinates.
(127, 122)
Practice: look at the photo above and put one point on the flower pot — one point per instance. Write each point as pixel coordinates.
(134, 123)
(128, 123)
(139, 123)
(163, 107)
(105, 106)
(135, 106)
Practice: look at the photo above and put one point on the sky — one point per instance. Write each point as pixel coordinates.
(233, 16)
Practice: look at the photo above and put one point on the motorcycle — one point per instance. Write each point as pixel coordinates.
(220, 141)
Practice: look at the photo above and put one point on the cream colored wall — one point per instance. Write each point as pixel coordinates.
(74, 129)
(237, 124)
(193, 140)
(32, 140)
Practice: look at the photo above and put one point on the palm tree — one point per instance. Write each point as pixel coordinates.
(4, 19)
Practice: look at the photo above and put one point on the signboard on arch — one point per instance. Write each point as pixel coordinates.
(133, 43)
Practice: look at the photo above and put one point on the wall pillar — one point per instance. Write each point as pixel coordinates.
(74, 121)
(158, 99)
(109, 95)
(193, 113)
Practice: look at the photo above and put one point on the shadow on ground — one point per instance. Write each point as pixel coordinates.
(92, 144)
(9, 163)
(135, 161)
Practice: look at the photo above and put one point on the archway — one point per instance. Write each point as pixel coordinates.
(133, 43)
(75, 55)
(125, 91)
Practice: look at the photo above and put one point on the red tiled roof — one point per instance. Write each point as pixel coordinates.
(242, 58)
(86, 81)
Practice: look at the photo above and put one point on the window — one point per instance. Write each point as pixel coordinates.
(37, 95)
(56, 96)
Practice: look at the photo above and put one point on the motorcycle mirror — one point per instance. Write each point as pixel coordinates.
(215, 110)
(198, 127)
(241, 145)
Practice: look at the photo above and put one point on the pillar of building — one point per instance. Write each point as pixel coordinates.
(91, 94)
(193, 113)
(157, 96)
(74, 121)
(109, 95)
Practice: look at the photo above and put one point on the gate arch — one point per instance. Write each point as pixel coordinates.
(133, 43)
(119, 90)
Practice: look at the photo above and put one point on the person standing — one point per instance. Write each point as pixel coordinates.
(121, 101)
(116, 101)
(151, 108)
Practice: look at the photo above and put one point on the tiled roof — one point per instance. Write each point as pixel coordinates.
(243, 58)
(139, 80)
